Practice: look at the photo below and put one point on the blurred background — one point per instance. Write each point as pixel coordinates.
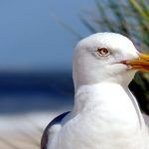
(36, 49)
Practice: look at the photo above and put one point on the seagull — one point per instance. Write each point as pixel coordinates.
(105, 114)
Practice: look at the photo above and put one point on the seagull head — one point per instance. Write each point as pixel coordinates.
(107, 57)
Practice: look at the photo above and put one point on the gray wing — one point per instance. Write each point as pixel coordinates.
(146, 119)
(46, 134)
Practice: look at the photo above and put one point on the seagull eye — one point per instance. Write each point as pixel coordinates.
(103, 52)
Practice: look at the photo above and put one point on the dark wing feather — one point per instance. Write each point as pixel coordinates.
(45, 135)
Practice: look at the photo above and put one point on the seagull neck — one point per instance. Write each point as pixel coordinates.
(97, 93)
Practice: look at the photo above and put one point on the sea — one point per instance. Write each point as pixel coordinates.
(26, 92)
(36, 97)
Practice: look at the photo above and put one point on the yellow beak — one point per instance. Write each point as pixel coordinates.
(141, 63)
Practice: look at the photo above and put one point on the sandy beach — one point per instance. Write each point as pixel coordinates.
(24, 131)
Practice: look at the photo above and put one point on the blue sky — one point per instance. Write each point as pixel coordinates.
(30, 39)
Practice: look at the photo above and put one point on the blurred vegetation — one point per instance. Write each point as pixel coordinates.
(130, 18)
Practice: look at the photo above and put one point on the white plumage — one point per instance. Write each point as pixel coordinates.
(105, 113)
